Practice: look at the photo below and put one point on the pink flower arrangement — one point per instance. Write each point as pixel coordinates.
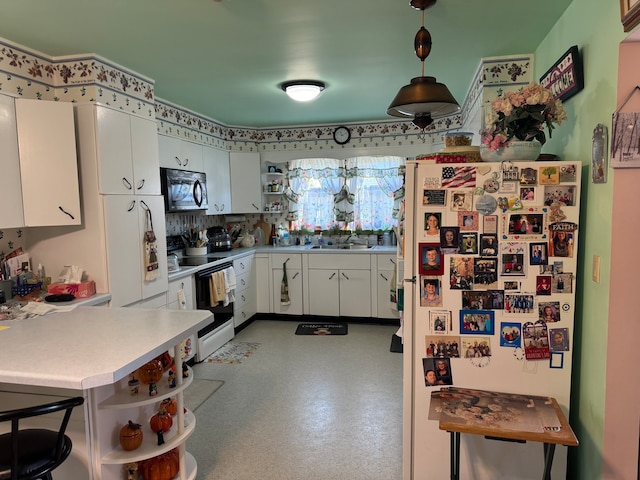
(522, 115)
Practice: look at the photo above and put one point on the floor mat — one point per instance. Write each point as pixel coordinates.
(321, 329)
(233, 352)
(199, 391)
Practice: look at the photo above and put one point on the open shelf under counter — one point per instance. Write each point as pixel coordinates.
(123, 399)
(150, 448)
(119, 471)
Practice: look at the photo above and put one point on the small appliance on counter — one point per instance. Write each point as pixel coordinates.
(173, 264)
(219, 239)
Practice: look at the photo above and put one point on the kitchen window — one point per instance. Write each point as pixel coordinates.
(360, 193)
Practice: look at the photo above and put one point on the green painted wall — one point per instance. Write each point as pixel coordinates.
(593, 25)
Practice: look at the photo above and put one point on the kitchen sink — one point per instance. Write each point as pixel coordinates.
(343, 246)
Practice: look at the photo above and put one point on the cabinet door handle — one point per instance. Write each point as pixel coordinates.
(243, 282)
(132, 205)
(392, 261)
(296, 274)
(66, 213)
(244, 299)
(254, 206)
(344, 275)
(222, 207)
(186, 160)
(127, 183)
(385, 278)
(241, 266)
(140, 184)
(178, 161)
(332, 275)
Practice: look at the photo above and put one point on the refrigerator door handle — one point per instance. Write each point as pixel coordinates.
(410, 280)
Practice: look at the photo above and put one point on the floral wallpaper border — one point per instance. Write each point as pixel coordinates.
(86, 78)
(75, 78)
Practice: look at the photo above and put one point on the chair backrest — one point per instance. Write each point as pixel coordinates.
(14, 416)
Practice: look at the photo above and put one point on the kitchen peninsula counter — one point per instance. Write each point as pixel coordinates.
(90, 352)
(90, 346)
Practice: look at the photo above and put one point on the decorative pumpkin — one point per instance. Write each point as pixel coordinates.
(151, 372)
(161, 421)
(131, 436)
(162, 467)
(166, 359)
(171, 406)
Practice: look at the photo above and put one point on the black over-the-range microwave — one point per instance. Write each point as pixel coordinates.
(183, 190)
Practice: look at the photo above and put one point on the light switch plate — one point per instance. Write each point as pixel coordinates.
(595, 274)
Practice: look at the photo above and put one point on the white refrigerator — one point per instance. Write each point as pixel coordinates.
(490, 258)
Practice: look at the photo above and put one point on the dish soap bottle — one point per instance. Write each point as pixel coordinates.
(283, 235)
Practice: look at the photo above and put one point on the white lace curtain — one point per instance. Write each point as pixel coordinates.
(323, 191)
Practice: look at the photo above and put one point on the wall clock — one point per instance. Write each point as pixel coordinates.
(342, 135)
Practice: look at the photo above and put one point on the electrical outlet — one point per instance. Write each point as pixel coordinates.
(595, 272)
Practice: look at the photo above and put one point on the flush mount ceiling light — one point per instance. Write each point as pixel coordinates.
(424, 98)
(303, 90)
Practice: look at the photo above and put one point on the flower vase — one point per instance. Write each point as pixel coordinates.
(514, 151)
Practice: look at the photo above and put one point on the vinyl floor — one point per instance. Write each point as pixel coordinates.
(303, 407)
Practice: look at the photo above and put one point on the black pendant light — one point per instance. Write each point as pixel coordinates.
(424, 98)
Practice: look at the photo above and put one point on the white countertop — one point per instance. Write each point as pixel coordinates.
(230, 255)
(90, 346)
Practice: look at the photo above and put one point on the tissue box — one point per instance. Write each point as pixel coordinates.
(78, 290)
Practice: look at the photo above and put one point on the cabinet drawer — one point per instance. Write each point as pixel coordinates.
(294, 260)
(243, 282)
(243, 265)
(185, 284)
(386, 262)
(243, 299)
(340, 261)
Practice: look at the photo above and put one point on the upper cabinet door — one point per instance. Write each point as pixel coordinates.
(115, 166)
(180, 154)
(246, 192)
(192, 156)
(170, 152)
(144, 152)
(216, 167)
(10, 186)
(48, 163)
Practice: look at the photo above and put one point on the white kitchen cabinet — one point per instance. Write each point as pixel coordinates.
(246, 192)
(294, 280)
(127, 152)
(263, 282)
(244, 306)
(386, 269)
(10, 186)
(109, 245)
(216, 167)
(48, 163)
(180, 154)
(125, 219)
(342, 281)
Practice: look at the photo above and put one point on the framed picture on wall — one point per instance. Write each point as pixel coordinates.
(629, 14)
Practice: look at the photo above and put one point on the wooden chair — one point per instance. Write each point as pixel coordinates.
(32, 453)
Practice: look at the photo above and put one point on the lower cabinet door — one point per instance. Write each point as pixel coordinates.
(355, 293)
(324, 292)
(294, 281)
